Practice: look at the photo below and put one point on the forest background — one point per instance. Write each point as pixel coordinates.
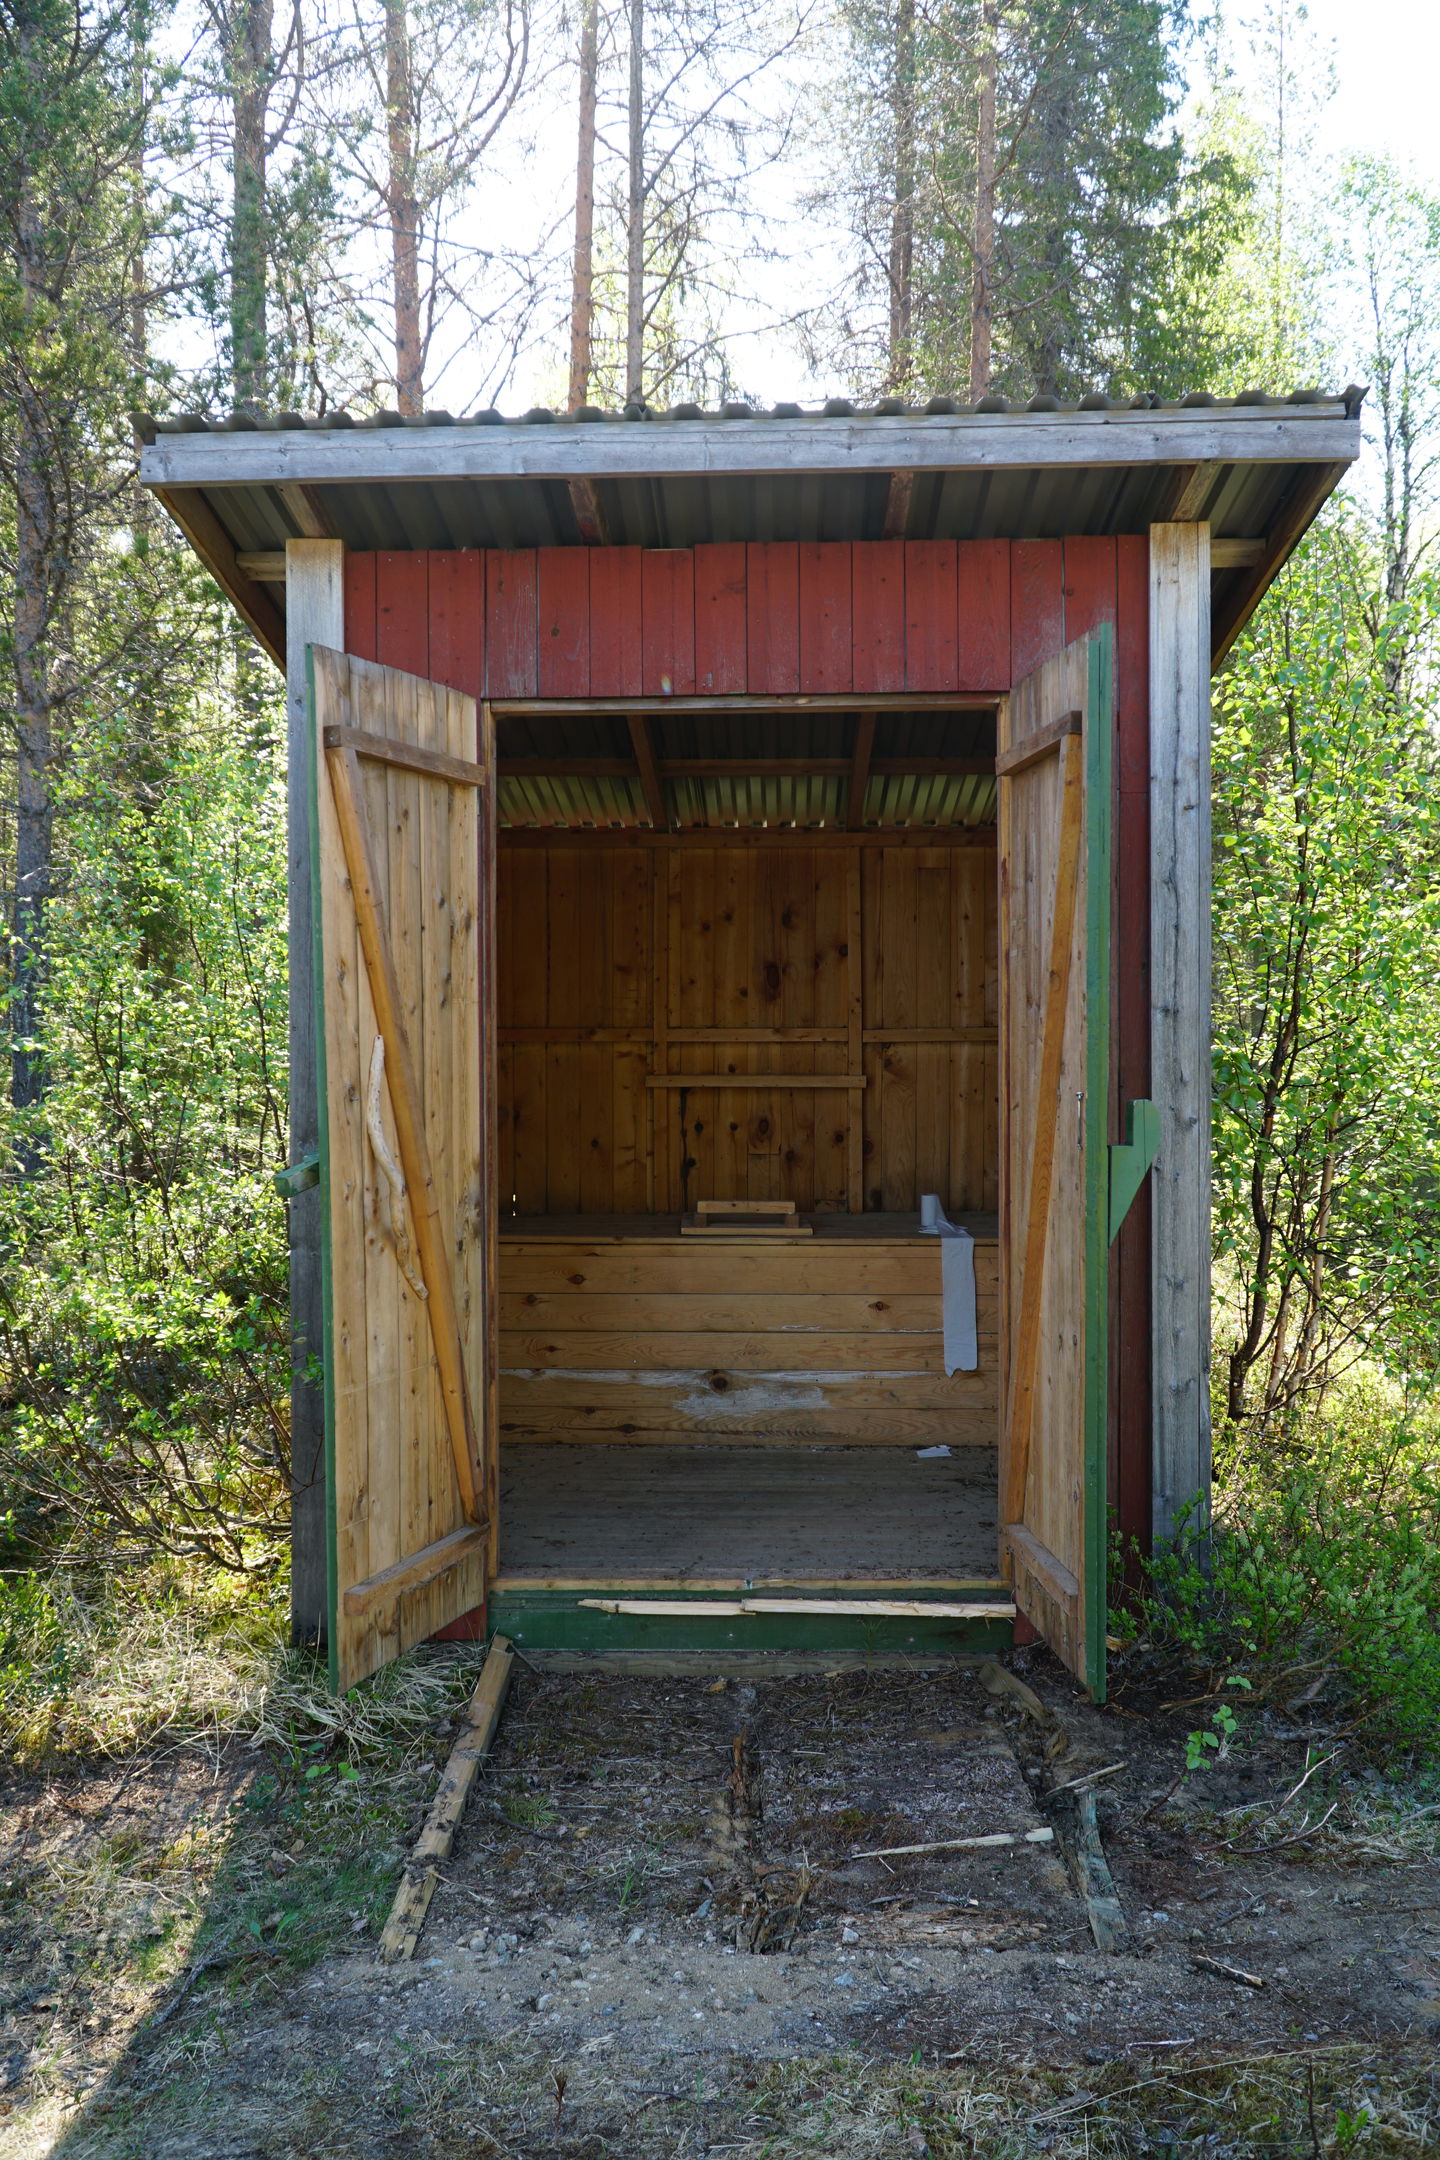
(240, 205)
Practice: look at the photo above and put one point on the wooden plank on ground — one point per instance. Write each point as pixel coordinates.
(401, 1932)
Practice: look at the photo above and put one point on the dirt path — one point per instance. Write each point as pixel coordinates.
(660, 1916)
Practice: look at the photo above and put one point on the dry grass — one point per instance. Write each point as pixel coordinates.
(1318, 2102)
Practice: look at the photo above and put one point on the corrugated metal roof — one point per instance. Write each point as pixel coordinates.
(590, 801)
(1256, 467)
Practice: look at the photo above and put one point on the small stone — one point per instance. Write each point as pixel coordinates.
(635, 1935)
(843, 1980)
(849, 1935)
(543, 2002)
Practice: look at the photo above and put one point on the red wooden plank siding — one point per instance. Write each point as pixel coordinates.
(825, 626)
(510, 622)
(878, 607)
(721, 648)
(768, 618)
(982, 652)
(457, 619)
(402, 610)
(1087, 588)
(1037, 617)
(360, 606)
(667, 622)
(562, 585)
(772, 592)
(614, 621)
(1130, 1281)
(931, 614)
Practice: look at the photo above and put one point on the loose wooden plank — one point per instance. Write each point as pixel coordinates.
(401, 1932)
(410, 1574)
(1043, 1836)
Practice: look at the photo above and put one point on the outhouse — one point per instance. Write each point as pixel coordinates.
(712, 836)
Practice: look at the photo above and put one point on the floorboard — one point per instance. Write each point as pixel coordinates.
(825, 1514)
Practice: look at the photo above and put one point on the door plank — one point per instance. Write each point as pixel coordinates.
(405, 1104)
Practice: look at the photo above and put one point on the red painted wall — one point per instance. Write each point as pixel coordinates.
(882, 616)
(771, 618)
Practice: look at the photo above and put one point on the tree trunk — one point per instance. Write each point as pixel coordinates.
(404, 212)
(250, 66)
(635, 215)
(582, 298)
(902, 215)
(36, 541)
(982, 272)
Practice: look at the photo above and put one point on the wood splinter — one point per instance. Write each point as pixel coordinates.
(1228, 1972)
(961, 1844)
(401, 1932)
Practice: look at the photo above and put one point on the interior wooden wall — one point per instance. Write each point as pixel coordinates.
(818, 1343)
(842, 959)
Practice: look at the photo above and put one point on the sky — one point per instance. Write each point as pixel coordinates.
(1386, 57)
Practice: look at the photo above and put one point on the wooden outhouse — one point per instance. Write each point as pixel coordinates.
(803, 810)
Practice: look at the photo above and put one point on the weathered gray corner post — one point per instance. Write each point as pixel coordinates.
(314, 615)
(1180, 1027)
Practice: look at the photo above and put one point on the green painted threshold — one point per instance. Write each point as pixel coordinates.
(571, 1620)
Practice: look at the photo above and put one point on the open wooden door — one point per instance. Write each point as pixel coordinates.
(403, 868)
(1053, 764)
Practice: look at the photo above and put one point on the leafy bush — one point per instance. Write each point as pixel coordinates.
(144, 1335)
(1323, 1567)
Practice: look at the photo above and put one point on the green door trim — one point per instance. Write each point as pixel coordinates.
(1099, 758)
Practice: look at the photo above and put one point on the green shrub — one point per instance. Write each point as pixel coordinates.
(1323, 1566)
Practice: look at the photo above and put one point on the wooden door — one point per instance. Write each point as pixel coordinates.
(403, 867)
(1053, 763)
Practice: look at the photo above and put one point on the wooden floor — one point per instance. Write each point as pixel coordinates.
(739, 1514)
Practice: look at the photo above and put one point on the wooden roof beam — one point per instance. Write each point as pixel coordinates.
(589, 513)
(860, 755)
(897, 505)
(649, 769)
(1296, 513)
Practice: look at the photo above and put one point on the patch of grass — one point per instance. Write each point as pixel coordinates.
(1321, 1578)
(527, 1811)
